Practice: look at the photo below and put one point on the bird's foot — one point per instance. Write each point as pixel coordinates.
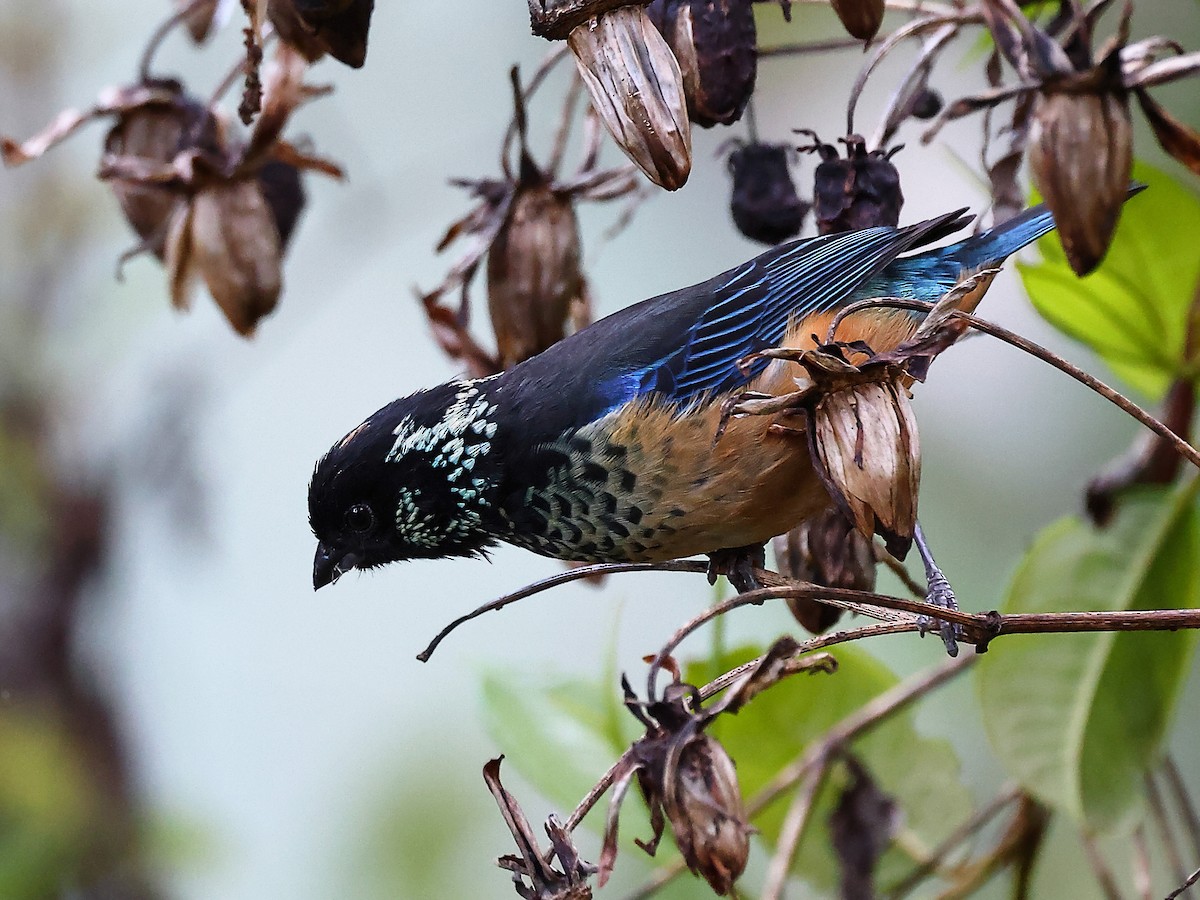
(738, 565)
(940, 594)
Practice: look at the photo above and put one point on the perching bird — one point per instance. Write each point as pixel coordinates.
(601, 448)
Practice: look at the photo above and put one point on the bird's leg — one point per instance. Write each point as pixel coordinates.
(738, 565)
(939, 593)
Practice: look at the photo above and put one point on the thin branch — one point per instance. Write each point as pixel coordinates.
(918, 72)
(900, 571)
(661, 878)
(1100, 868)
(793, 829)
(160, 34)
(1178, 892)
(1142, 881)
(1183, 800)
(1166, 834)
(961, 835)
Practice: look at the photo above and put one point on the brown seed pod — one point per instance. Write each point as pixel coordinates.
(715, 44)
(764, 204)
(637, 90)
(864, 441)
(1081, 158)
(226, 236)
(317, 27)
(861, 18)
(533, 272)
(704, 806)
(829, 551)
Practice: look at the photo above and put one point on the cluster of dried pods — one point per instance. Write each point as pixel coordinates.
(208, 202)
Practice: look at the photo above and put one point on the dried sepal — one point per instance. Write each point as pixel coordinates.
(534, 878)
(864, 441)
(1179, 140)
(827, 550)
(764, 204)
(861, 18)
(715, 44)
(637, 89)
(203, 17)
(1081, 159)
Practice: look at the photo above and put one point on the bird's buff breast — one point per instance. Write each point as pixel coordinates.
(648, 482)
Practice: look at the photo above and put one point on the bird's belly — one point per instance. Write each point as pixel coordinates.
(649, 482)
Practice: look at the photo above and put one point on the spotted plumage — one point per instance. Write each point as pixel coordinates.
(602, 447)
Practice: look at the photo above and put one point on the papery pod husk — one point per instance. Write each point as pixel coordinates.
(716, 46)
(764, 204)
(533, 273)
(1081, 159)
(827, 550)
(157, 132)
(861, 18)
(707, 816)
(226, 235)
(316, 27)
(867, 451)
(637, 90)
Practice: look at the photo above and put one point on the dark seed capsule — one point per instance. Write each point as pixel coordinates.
(828, 551)
(715, 44)
(765, 205)
(927, 104)
(281, 188)
(317, 27)
(860, 190)
(861, 18)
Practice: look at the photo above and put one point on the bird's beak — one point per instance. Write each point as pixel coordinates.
(329, 565)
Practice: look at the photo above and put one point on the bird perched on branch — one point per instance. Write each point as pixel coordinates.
(601, 448)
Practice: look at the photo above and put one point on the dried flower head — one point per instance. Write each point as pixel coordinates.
(857, 191)
(637, 90)
(764, 204)
(212, 207)
(827, 550)
(1073, 114)
(715, 43)
(526, 226)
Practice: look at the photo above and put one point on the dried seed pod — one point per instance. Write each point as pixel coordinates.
(828, 551)
(226, 235)
(865, 443)
(861, 18)
(715, 44)
(1081, 158)
(765, 205)
(637, 90)
(155, 132)
(703, 803)
(927, 104)
(317, 27)
(858, 191)
(533, 272)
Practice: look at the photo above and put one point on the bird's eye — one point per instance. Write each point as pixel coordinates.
(360, 518)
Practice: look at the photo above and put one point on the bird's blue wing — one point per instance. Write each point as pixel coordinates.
(752, 305)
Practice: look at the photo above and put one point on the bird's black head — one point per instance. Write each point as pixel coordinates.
(413, 481)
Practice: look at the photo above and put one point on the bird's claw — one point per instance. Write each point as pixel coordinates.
(738, 565)
(940, 594)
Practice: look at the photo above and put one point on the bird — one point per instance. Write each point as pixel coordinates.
(601, 448)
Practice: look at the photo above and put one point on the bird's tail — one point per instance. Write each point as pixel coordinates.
(997, 244)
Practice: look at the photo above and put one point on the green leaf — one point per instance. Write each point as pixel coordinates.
(1133, 310)
(1079, 718)
(921, 773)
(561, 735)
